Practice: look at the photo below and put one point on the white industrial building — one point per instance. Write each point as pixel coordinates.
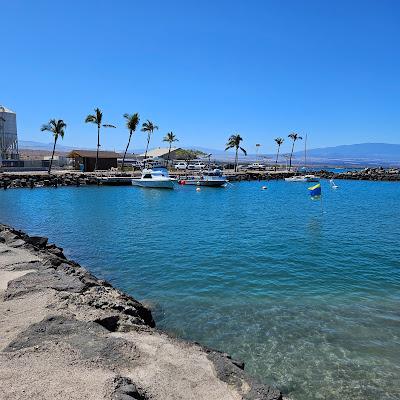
(8, 138)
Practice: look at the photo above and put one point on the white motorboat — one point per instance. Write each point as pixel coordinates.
(156, 178)
(333, 184)
(303, 178)
(210, 178)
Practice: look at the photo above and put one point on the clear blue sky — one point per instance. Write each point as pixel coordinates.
(205, 69)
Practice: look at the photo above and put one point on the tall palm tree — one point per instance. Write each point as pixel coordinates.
(57, 128)
(279, 141)
(170, 138)
(148, 127)
(132, 121)
(97, 119)
(234, 142)
(258, 145)
(294, 137)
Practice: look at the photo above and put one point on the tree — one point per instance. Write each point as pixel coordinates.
(234, 142)
(97, 119)
(294, 137)
(279, 142)
(132, 121)
(57, 128)
(183, 154)
(148, 127)
(170, 138)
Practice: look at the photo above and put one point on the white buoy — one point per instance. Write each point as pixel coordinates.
(264, 188)
(198, 189)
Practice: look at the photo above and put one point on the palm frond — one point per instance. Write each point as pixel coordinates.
(56, 127)
(108, 126)
(91, 118)
(46, 127)
(132, 121)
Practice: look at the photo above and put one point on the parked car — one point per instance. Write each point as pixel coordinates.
(180, 165)
(196, 166)
(256, 166)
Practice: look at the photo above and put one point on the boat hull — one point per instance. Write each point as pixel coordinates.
(154, 184)
(115, 181)
(302, 179)
(210, 183)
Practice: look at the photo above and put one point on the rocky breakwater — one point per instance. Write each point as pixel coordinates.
(32, 180)
(367, 174)
(67, 335)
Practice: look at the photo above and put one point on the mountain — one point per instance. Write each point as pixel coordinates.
(361, 154)
(30, 145)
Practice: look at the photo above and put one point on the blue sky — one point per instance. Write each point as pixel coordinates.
(205, 69)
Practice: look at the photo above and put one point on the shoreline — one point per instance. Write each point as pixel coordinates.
(11, 180)
(67, 334)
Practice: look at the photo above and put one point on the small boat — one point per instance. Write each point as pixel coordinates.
(156, 178)
(333, 184)
(212, 178)
(115, 180)
(303, 178)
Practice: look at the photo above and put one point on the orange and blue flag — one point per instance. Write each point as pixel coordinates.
(315, 191)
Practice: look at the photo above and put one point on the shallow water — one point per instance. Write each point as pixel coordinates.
(307, 296)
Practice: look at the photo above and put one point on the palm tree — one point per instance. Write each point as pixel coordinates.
(97, 119)
(258, 145)
(132, 121)
(234, 142)
(148, 127)
(294, 137)
(57, 128)
(170, 138)
(279, 142)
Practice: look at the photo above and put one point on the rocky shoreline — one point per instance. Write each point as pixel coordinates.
(68, 335)
(62, 178)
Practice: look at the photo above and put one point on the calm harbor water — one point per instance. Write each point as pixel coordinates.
(310, 300)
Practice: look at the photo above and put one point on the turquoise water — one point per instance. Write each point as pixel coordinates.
(310, 300)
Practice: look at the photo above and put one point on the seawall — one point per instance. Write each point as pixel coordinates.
(67, 335)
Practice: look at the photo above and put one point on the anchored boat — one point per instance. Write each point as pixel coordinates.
(303, 178)
(212, 178)
(156, 178)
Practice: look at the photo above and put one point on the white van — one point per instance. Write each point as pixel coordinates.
(180, 165)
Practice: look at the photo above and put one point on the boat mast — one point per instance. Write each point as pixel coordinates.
(305, 152)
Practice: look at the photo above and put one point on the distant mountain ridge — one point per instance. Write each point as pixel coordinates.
(352, 154)
(362, 153)
(31, 145)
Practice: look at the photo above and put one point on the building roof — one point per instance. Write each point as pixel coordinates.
(159, 152)
(6, 110)
(92, 154)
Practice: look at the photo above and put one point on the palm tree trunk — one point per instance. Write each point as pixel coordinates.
(147, 147)
(52, 154)
(277, 155)
(236, 159)
(290, 159)
(126, 150)
(98, 146)
(169, 150)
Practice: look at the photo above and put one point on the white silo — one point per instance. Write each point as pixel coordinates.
(8, 135)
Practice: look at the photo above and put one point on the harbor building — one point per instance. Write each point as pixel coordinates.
(85, 160)
(9, 156)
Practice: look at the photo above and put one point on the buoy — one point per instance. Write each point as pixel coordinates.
(264, 188)
(198, 189)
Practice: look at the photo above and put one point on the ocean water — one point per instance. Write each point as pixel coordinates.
(307, 294)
